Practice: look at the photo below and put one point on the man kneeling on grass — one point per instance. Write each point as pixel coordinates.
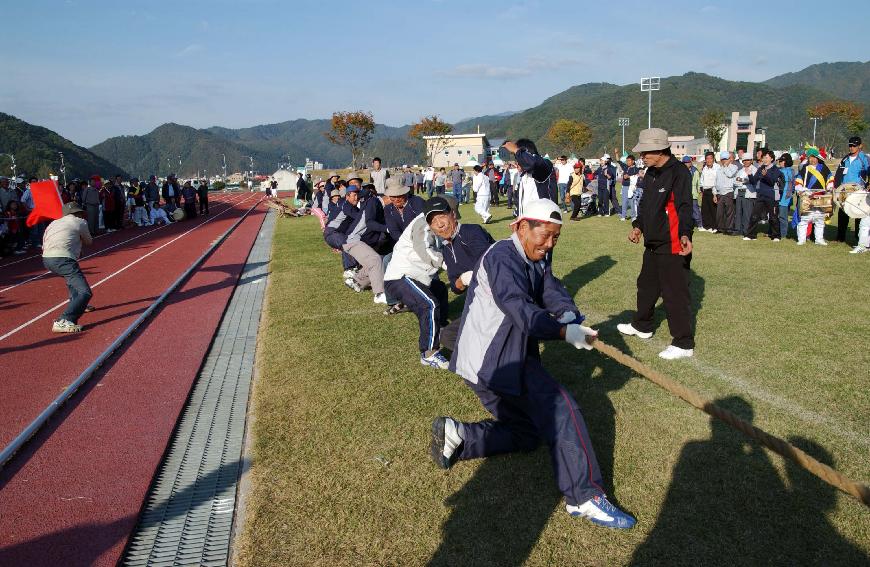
(412, 278)
(513, 302)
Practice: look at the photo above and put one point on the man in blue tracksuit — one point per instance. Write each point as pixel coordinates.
(403, 207)
(363, 237)
(606, 175)
(464, 244)
(513, 302)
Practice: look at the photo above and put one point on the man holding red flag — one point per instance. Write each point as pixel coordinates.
(61, 248)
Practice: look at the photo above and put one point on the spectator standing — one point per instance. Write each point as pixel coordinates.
(6, 193)
(766, 179)
(723, 193)
(91, 202)
(606, 176)
(440, 182)
(379, 176)
(576, 184)
(188, 193)
(202, 196)
(538, 176)
(481, 188)
(428, 181)
(61, 248)
(418, 182)
(853, 168)
(564, 172)
(152, 193)
(785, 164)
(457, 178)
(696, 189)
(492, 177)
(408, 179)
(171, 192)
(14, 217)
(629, 184)
(136, 192)
(708, 183)
(745, 194)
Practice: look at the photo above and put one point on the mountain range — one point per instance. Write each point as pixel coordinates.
(781, 102)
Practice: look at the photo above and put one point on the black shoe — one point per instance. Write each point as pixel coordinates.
(445, 438)
(396, 309)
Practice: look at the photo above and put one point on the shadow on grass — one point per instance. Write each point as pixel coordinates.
(499, 514)
(728, 506)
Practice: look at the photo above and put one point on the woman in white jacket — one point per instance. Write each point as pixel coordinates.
(480, 185)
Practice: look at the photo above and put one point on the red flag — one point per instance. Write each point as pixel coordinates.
(47, 205)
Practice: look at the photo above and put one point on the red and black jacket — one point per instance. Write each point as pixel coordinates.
(665, 212)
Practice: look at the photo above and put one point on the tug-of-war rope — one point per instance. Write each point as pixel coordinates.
(834, 478)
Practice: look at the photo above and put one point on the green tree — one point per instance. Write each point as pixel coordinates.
(713, 123)
(565, 135)
(351, 129)
(431, 126)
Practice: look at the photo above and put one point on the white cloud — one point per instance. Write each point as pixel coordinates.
(190, 50)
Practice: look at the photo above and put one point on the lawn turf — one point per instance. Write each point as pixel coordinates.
(341, 473)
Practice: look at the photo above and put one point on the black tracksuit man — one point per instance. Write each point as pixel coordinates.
(664, 216)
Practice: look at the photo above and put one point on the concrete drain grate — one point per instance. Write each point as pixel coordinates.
(188, 515)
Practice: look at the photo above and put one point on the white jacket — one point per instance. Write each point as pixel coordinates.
(480, 184)
(417, 254)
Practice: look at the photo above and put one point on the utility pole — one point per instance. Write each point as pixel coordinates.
(648, 85)
(815, 120)
(623, 122)
(179, 165)
(225, 167)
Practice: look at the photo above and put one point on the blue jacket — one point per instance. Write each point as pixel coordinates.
(788, 186)
(542, 172)
(601, 175)
(506, 313)
(397, 222)
(368, 223)
(765, 183)
(464, 250)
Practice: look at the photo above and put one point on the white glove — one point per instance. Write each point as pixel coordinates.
(566, 317)
(576, 336)
(466, 278)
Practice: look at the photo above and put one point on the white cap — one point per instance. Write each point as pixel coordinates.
(605, 156)
(543, 210)
(724, 155)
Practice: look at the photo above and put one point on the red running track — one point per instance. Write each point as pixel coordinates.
(72, 496)
(125, 281)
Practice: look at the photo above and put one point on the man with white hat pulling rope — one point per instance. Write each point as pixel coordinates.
(513, 302)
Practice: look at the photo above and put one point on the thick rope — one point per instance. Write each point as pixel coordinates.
(834, 478)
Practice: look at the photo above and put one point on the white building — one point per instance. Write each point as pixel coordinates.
(457, 148)
(311, 165)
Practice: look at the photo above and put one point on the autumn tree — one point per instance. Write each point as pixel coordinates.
(435, 127)
(566, 135)
(351, 129)
(713, 123)
(840, 119)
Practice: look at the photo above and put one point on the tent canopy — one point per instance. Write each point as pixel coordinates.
(286, 180)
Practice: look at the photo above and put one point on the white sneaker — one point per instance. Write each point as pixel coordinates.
(747, 238)
(351, 283)
(64, 326)
(713, 230)
(800, 243)
(776, 240)
(348, 274)
(859, 250)
(381, 298)
(675, 352)
(628, 329)
(821, 243)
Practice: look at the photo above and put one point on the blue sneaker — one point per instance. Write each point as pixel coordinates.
(435, 360)
(600, 511)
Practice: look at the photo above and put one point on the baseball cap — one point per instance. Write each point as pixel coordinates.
(434, 206)
(352, 189)
(71, 208)
(605, 156)
(855, 141)
(724, 155)
(543, 210)
(746, 157)
(687, 159)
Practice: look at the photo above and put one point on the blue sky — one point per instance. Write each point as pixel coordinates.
(94, 69)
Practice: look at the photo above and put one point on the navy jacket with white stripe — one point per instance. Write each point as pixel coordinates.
(505, 316)
(464, 250)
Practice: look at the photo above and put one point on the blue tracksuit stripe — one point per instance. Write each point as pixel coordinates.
(427, 299)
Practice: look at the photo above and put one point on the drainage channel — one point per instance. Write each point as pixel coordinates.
(188, 514)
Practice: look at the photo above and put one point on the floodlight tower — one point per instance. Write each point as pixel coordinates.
(815, 120)
(648, 85)
(623, 122)
(225, 167)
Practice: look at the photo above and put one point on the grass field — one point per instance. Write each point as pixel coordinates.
(341, 474)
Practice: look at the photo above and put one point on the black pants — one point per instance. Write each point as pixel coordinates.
(843, 225)
(203, 203)
(763, 209)
(428, 303)
(576, 200)
(665, 276)
(614, 203)
(448, 335)
(708, 209)
(493, 192)
(725, 213)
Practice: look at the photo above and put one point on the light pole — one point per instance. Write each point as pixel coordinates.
(648, 85)
(179, 165)
(62, 168)
(225, 167)
(815, 120)
(623, 122)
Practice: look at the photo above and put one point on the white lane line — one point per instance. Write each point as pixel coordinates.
(13, 262)
(98, 252)
(112, 275)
